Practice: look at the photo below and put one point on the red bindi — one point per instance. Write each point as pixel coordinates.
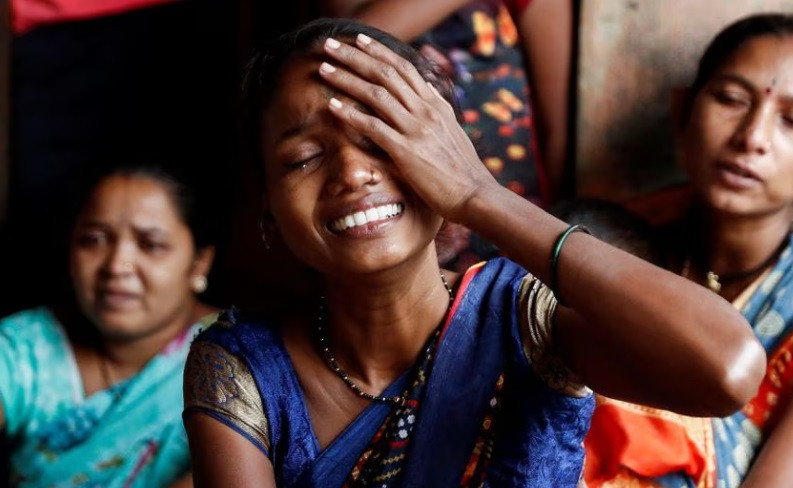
(768, 89)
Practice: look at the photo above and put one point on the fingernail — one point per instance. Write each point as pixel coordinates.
(364, 39)
(335, 103)
(332, 43)
(327, 68)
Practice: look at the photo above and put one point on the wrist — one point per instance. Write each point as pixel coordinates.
(479, 204)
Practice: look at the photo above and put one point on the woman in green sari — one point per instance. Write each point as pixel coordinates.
(90, 395)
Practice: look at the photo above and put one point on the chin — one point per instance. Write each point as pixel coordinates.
(374, 262)
(732, 203)
(120, 328)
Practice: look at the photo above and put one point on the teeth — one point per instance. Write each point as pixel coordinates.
(360, 218)
(373, 214)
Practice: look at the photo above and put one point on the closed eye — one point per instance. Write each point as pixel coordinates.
(151, 246)
(303, 163)
(730, 99)
(91, 238)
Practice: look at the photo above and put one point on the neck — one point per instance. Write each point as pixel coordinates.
(378, 323)
(733, 245)
(738, 248)
(125, 357)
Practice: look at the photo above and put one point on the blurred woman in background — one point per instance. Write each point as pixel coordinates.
(91, 394)
(736, 143)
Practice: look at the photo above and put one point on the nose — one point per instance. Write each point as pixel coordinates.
(756, 130)
(351, 170)
(120, 260)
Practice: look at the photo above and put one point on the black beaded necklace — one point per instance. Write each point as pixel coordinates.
(715, 281)
(334, 365)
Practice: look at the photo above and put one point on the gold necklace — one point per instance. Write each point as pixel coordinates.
(715, 282)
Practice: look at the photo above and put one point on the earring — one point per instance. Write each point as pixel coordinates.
(263, 231)
(200, 284)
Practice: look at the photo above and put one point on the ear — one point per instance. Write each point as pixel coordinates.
(203, 261)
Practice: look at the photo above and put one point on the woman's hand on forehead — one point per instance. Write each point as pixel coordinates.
(411, 122)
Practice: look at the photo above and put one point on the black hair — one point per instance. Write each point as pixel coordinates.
(182, 187)
(729, 40)
(262, 74)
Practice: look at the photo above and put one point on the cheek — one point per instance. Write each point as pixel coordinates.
(84, 268)
(165, 287)
(293, 212)
(433, 222)
(697, 146)
(783, 183)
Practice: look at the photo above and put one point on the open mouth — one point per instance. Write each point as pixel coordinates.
(364, 217)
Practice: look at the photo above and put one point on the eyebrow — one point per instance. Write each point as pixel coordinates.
(312, 119)
(150, 230)
(733, 78)
(295, 130)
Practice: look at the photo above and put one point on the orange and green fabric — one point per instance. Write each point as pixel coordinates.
(634, 446)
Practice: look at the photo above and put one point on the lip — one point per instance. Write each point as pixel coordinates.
(736, 174)
(344, 209)
(116, 298)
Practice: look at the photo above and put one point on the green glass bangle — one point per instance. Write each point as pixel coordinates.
(557, 250)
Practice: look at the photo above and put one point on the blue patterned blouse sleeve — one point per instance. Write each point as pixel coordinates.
(219, 384)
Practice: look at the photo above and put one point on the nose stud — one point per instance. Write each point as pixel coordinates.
(126, 267)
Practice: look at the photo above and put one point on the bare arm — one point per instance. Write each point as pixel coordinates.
(222, 457)
(630, 324)
(546, 31)
(634, 331)
(772, 467)
(405, 19)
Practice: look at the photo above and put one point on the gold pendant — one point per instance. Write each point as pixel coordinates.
(712, 280)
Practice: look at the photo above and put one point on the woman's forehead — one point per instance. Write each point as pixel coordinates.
(300, 96)
(298, 78)
(762, 56)
(133, 198)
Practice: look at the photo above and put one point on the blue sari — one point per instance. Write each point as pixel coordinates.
(483, 419)
(770, 311)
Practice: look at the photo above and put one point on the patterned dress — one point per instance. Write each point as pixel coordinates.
(482, 44)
